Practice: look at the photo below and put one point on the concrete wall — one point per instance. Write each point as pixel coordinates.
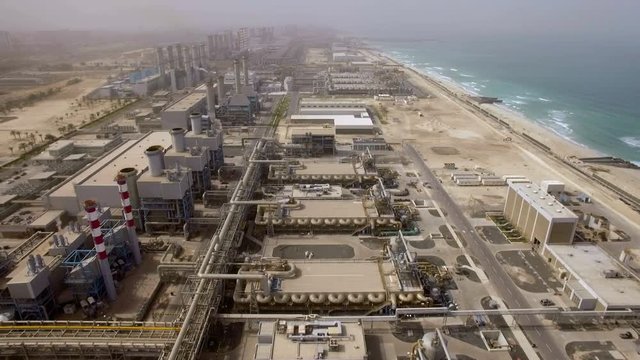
(540, 230)
(561, 233)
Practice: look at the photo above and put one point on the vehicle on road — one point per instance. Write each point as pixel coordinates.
(546, 302)
(626, 335)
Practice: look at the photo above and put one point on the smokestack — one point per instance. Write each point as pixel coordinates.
(123, 189)
(245, 70)
(155, 154)
(196, 123)
(203, 56)
(91, 208)
(211, 46)
(172, 60)
(131, 174)
(195, 53)
(177, 139)
(180, 56)
(174, 82)
(188, 66)
(211, 100)
(161, 66)
(221, 91)
(236, 70)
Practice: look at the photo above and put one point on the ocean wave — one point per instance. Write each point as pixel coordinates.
(633, 141)
(558, 121)
(454, 69)
(543, 99)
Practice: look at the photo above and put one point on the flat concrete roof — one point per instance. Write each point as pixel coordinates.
(326, 168)
(329, 208)
(543, 202)
(187, 102)
(588, 262)
(103, 171)
(334, 277)
(315, 130)
(43, 175)
(352, 345)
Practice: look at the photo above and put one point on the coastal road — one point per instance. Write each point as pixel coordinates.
(502, 283)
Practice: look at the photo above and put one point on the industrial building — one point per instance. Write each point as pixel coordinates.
(592, 279)
(177, 114)
(539, 216)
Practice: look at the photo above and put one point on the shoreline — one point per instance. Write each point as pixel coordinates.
(505, 111)
(619, 184)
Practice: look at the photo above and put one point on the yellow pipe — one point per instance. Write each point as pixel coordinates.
(87, 327)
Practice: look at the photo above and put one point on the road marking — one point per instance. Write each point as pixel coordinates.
(538, 332)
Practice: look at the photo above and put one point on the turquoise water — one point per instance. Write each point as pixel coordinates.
(588, 92)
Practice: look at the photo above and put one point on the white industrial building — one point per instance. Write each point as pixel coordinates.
(342, 123)
(593, 280)
(177, 114)
(539, 216)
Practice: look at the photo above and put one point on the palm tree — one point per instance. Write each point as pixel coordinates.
(19, 134)
(13, 133)
(41, 137)
(49, 137)
(11, 149)
(22, 146)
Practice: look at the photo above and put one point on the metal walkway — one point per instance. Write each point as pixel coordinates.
(85, 339)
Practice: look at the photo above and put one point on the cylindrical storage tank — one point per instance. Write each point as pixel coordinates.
(263, 299)
(317, 298)
(196, 123)
(303, 221)
(316, 221)
(326, 177)
(299, 298)
(406, 298)
(422, 297)
(276, 221)
(177, 139)
(344, 222)
(375, 298)
(281, 298)
(355, 298)
(155, 154)
(289, 222)
(359, 221)
(336, 298)
(315, 177)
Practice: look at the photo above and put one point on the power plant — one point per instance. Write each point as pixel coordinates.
(255, 197)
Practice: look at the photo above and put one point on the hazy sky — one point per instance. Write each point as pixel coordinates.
(421, 17)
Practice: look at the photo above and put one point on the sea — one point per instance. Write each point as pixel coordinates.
(587, 91)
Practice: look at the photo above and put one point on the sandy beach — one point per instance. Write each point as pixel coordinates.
(451, 131)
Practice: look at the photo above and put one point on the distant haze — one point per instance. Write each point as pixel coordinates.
(373, 17)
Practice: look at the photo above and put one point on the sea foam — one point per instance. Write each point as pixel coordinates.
(633, 141)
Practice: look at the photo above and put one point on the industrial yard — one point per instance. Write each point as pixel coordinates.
(258, 194)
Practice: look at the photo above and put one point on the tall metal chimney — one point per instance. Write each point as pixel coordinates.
(174, 81)
(196, 123)
(236, 71)
(195, 52)
(211, 100)
(180, 56)
(177, 139)
(172, 60)
(91, 208)
(134, 244)
(161, 65)
(203, 56)
(221, 91)
(131, 174)
(155, 154)
(245, 70)
(211, 46)
(188, 62)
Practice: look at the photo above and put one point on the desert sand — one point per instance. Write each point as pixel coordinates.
(449, 132)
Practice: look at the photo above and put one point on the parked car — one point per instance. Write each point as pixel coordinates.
(626, 335)
(546, 302)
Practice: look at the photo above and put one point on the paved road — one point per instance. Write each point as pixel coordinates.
(476, 247)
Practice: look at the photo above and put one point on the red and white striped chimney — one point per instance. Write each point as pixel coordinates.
(93, 216)
(128, 217)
